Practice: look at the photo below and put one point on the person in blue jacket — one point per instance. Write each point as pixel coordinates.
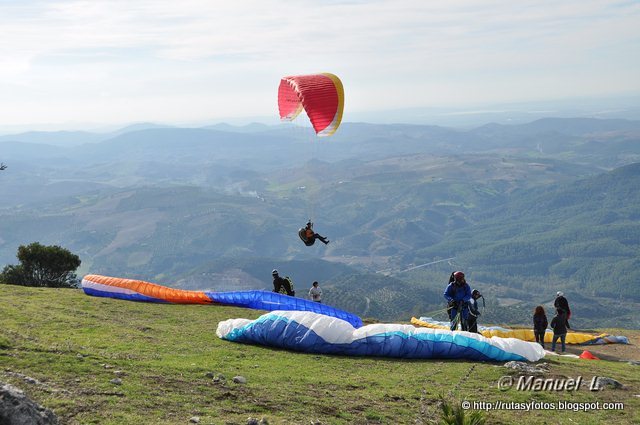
(458, 294)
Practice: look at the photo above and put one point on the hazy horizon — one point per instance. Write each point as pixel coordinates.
(104, 63)
(623, 107)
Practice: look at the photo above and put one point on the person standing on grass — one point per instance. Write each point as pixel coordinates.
(474, 311)
(540, 324)
(559, 326)
(561, 302)
(458, 295)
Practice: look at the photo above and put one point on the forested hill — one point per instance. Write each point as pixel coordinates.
(525, 210)
(582, 236)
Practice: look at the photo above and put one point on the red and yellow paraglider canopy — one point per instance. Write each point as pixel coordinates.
(320, 95)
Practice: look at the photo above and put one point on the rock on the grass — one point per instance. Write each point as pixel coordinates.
(239, 379)
(603, 381)
(527, 368)
(17, 409)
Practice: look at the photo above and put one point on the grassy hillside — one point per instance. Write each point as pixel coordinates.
(64, 348)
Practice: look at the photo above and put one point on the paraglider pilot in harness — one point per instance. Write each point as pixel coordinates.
(458, 295)
(282, 285)
(309, 236)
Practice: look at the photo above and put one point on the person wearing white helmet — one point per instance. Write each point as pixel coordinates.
(561, 303)
(281, 284)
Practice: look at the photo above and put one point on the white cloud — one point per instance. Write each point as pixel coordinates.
(220, 58)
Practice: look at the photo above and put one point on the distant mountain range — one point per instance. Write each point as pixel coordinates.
(523, 209)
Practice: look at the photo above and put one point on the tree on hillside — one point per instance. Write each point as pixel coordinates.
(40, 265)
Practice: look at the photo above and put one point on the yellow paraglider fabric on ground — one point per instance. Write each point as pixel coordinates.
(526, 334)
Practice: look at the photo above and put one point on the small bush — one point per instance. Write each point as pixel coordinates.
(456, 415)
(4, 343)
(40, 265)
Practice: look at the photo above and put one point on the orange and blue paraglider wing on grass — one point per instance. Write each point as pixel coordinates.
(320, 95)
(138, 290)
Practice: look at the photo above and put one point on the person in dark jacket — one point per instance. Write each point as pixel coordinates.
(280, 284)
(540, 324)
(561, 302)
(474, 311)
(458, 294)
(559, 326)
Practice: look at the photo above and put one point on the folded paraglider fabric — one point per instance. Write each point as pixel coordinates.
(315, 333)
(587, 355)
(527, 334)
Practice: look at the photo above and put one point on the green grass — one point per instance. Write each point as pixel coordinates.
(170, 363)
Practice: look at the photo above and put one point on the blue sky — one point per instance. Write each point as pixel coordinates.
(106, 62)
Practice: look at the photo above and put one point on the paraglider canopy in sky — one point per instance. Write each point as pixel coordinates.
(320, 95)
